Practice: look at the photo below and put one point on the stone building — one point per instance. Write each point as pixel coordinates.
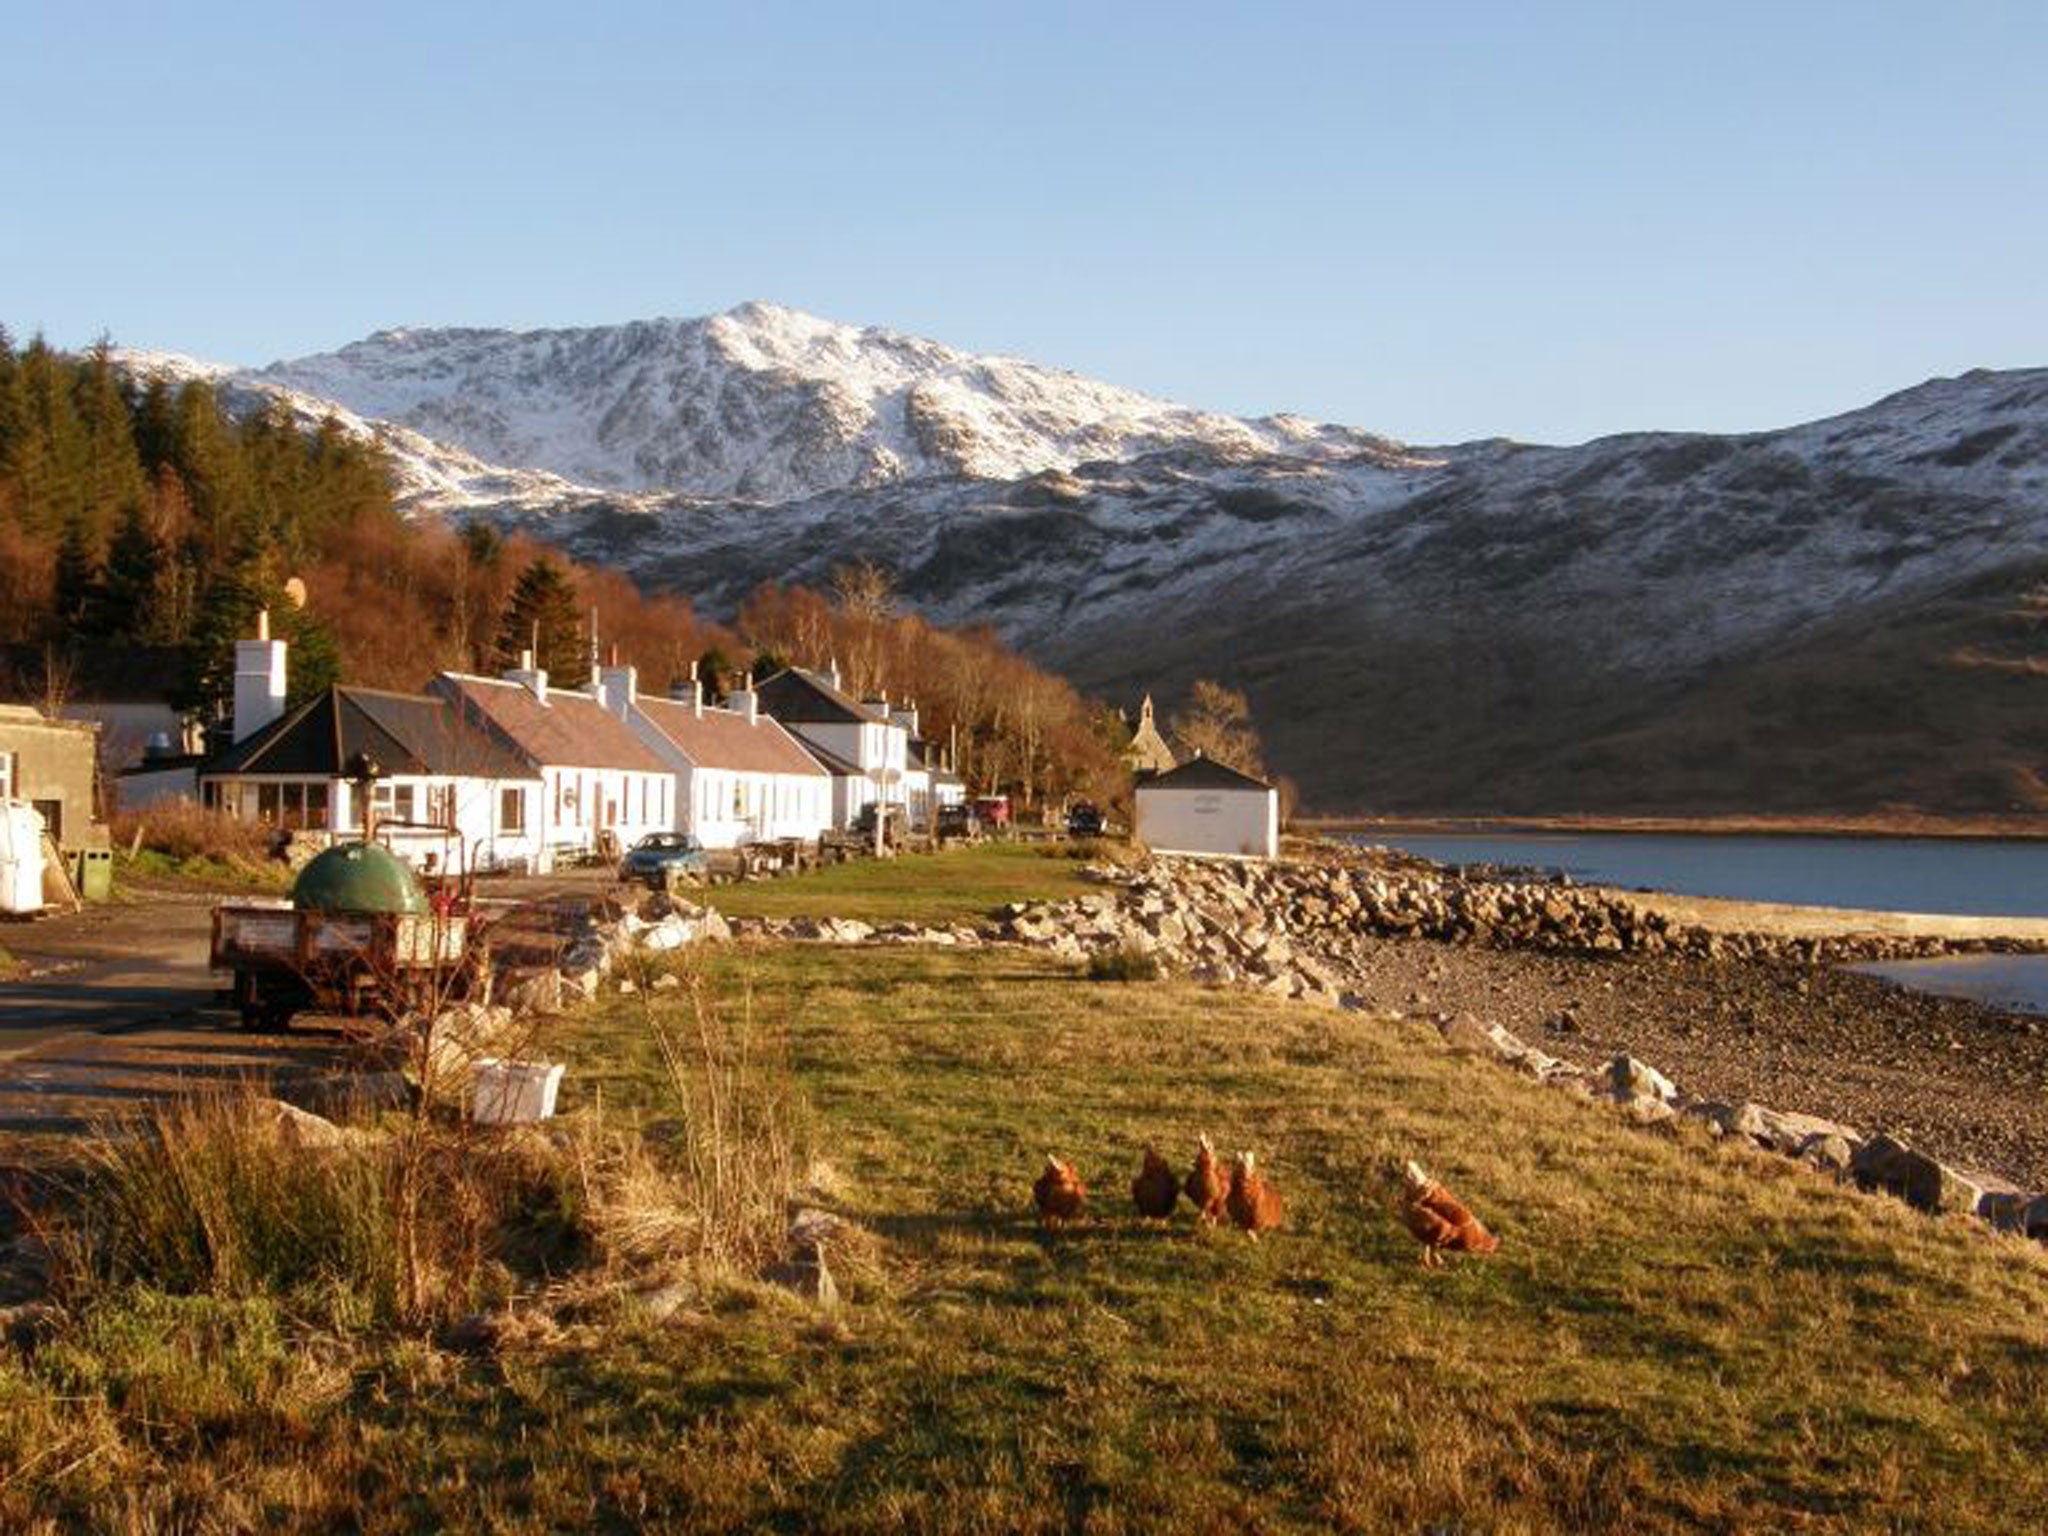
(1147, 752)
(50, 764)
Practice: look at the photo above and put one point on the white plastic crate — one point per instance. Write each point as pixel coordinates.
(513, 1092)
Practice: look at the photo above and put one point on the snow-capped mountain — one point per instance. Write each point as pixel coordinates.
(1484, 626)
(763, 403)
(1501, 626)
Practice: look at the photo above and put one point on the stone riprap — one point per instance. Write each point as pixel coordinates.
(1298, 931)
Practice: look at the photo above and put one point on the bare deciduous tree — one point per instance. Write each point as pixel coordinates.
(1218, 724)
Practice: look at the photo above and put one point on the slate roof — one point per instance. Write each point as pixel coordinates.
(833, 763)
(1200, 772)
(571, 730)
(406, 733)
(806, 698)
(721, 738)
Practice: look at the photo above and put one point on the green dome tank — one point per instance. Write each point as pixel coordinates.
(357, 877)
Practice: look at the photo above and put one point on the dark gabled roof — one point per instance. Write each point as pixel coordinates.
(829, 760)
(1200, 772)
(801, 697)
(406, 733)
(571, 730)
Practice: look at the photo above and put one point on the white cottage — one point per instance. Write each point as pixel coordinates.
(600, 783)
(444, 787)
(1202, 807)
(863, 747)
(740, 777)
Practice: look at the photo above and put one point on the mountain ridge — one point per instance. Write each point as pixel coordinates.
(1486, 626)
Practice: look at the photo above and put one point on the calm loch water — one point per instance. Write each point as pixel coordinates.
(1971, 876)
(1977, 877)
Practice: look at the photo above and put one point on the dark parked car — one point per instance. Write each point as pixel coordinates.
(660, 859)
(958, 821)
(892, 824)
(1083, 820)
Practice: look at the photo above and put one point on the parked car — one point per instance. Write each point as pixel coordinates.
(960, 822)
(994, 810)
(1084, 819)
(892, 825)
(660, 859)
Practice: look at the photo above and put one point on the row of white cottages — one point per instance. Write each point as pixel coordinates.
(513, 771)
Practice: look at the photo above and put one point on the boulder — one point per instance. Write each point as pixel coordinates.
(1630, 1081)
(1465, 1032)
(1887, 1164)
(2033, 1218)
(1829, 1151)
(302, 1129)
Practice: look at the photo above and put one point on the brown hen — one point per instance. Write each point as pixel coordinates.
(1207, 1188)
(1254, 1204)
(1155, 1191)
(1059, 1192)
(1439, 1219)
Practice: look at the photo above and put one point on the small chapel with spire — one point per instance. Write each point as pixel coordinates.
(1148, 752)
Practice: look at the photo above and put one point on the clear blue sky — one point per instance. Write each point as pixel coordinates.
(1543, 221)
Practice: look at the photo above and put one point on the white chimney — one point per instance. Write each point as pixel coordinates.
(259, 680)
(621, 689)
(528, 676)
(744, 700)
(832, 672)
(906, 717)
(689, 691)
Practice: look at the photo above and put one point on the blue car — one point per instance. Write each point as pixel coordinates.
(662, 859)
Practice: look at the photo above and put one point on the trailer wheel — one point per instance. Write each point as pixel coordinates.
(249, 1001)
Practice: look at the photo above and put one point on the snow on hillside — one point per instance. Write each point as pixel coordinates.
(430, 476)
(763, 403)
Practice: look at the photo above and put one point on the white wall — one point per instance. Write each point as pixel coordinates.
(483, 834)
(726, 808)
(877, 749)
(1239, 823)
(578, 803)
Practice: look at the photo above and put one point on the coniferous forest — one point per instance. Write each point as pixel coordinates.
(144, 525)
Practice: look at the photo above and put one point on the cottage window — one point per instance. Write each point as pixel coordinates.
(511, 810)
(441, 804)
(269, 798)
(316, 806)
(6, 775)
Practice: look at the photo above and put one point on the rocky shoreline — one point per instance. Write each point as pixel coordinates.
(1937, 1099)
(1941, 1101)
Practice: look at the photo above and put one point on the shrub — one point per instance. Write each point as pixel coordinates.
(217, 1197)
(1127, 962)
(183, 841)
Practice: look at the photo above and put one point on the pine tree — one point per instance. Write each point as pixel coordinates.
(112, 471)
(79, 597)
(544, 603)
(136, 567)
(48, 465)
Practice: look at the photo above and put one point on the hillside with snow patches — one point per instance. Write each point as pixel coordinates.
(1840, 615)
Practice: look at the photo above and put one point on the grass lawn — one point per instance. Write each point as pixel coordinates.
(200, 872)
(960, 884)
(1673, 1336)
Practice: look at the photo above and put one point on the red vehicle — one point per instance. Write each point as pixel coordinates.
(994, 810)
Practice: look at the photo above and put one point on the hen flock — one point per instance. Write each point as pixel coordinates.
(1435, 1217)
